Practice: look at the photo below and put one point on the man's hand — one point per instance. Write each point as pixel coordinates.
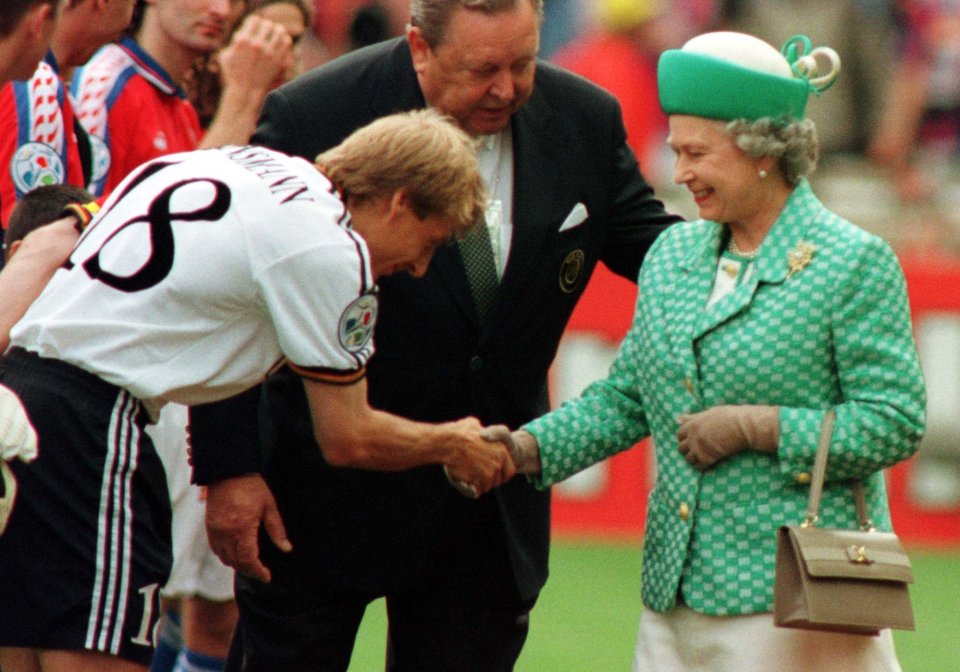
(235, 509)
(18, 439)
(259, 57)
(719, 432)
(476, 462)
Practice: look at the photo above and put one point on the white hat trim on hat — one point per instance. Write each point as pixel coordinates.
(728, 75)
(742, 49)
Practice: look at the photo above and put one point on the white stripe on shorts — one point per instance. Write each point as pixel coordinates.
(114, 529)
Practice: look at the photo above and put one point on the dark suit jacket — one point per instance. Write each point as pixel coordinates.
(434, 360)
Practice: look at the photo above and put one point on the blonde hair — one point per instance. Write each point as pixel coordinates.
(421, 153)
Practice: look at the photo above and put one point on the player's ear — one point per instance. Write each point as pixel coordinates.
(39, 15)
(398, 203)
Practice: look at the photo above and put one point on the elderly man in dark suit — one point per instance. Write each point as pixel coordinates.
(475, 336)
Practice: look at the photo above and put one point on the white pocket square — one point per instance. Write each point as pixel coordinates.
(576, 217)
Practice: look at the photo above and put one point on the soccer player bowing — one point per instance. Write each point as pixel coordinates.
(204, 271)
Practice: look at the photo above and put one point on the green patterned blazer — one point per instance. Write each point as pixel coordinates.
(834, 332)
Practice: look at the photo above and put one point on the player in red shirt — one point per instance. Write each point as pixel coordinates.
(129, 96)
(38, 137)
(38, 142)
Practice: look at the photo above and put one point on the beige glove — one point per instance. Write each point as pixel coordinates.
(18, 439)
(719, 432)
(522, 445)
(466, 489)
(8, 491)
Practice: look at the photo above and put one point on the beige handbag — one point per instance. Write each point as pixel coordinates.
(851, 581)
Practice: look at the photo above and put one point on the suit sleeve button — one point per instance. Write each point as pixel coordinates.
(476, 363)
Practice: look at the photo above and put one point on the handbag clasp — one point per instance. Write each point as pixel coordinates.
(858, 555)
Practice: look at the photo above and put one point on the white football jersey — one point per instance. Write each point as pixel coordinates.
(202, 272)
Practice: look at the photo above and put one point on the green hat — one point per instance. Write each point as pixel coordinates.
(727, 75)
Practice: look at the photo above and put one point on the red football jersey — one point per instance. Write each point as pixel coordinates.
(133, 110)
(38, 144)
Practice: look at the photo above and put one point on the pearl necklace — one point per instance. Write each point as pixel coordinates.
(733, 249)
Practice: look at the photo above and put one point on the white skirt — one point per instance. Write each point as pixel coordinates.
(682, 640)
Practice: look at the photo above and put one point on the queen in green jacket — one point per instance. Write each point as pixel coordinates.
(751, 323)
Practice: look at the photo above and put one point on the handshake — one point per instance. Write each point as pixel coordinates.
(471, 480)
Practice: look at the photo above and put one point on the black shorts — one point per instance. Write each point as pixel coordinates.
(87, 547)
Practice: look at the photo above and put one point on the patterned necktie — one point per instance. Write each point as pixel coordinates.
(476, 250)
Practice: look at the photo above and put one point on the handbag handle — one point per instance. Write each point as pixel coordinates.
(820, 472)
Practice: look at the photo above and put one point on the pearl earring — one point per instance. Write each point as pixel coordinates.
(762, 173)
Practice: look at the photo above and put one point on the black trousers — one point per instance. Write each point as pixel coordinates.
(460, 613)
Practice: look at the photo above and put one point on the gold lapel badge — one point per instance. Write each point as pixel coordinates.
(571, 270)
(799, 257)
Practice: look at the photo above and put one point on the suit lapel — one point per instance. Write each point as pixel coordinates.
(448, 263)
(800, 211)
(534, 176)
(535, 173)
(698, 267)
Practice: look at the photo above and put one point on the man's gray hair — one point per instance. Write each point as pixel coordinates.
(433, 16)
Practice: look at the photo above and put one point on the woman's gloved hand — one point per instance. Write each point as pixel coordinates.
(719, 432)
(523, 447)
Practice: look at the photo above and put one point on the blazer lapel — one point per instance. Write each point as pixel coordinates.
(801, 210)
(699, 266)
(535, 173)
(448, 263)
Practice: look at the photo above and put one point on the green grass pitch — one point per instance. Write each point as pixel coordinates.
(588, 613)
